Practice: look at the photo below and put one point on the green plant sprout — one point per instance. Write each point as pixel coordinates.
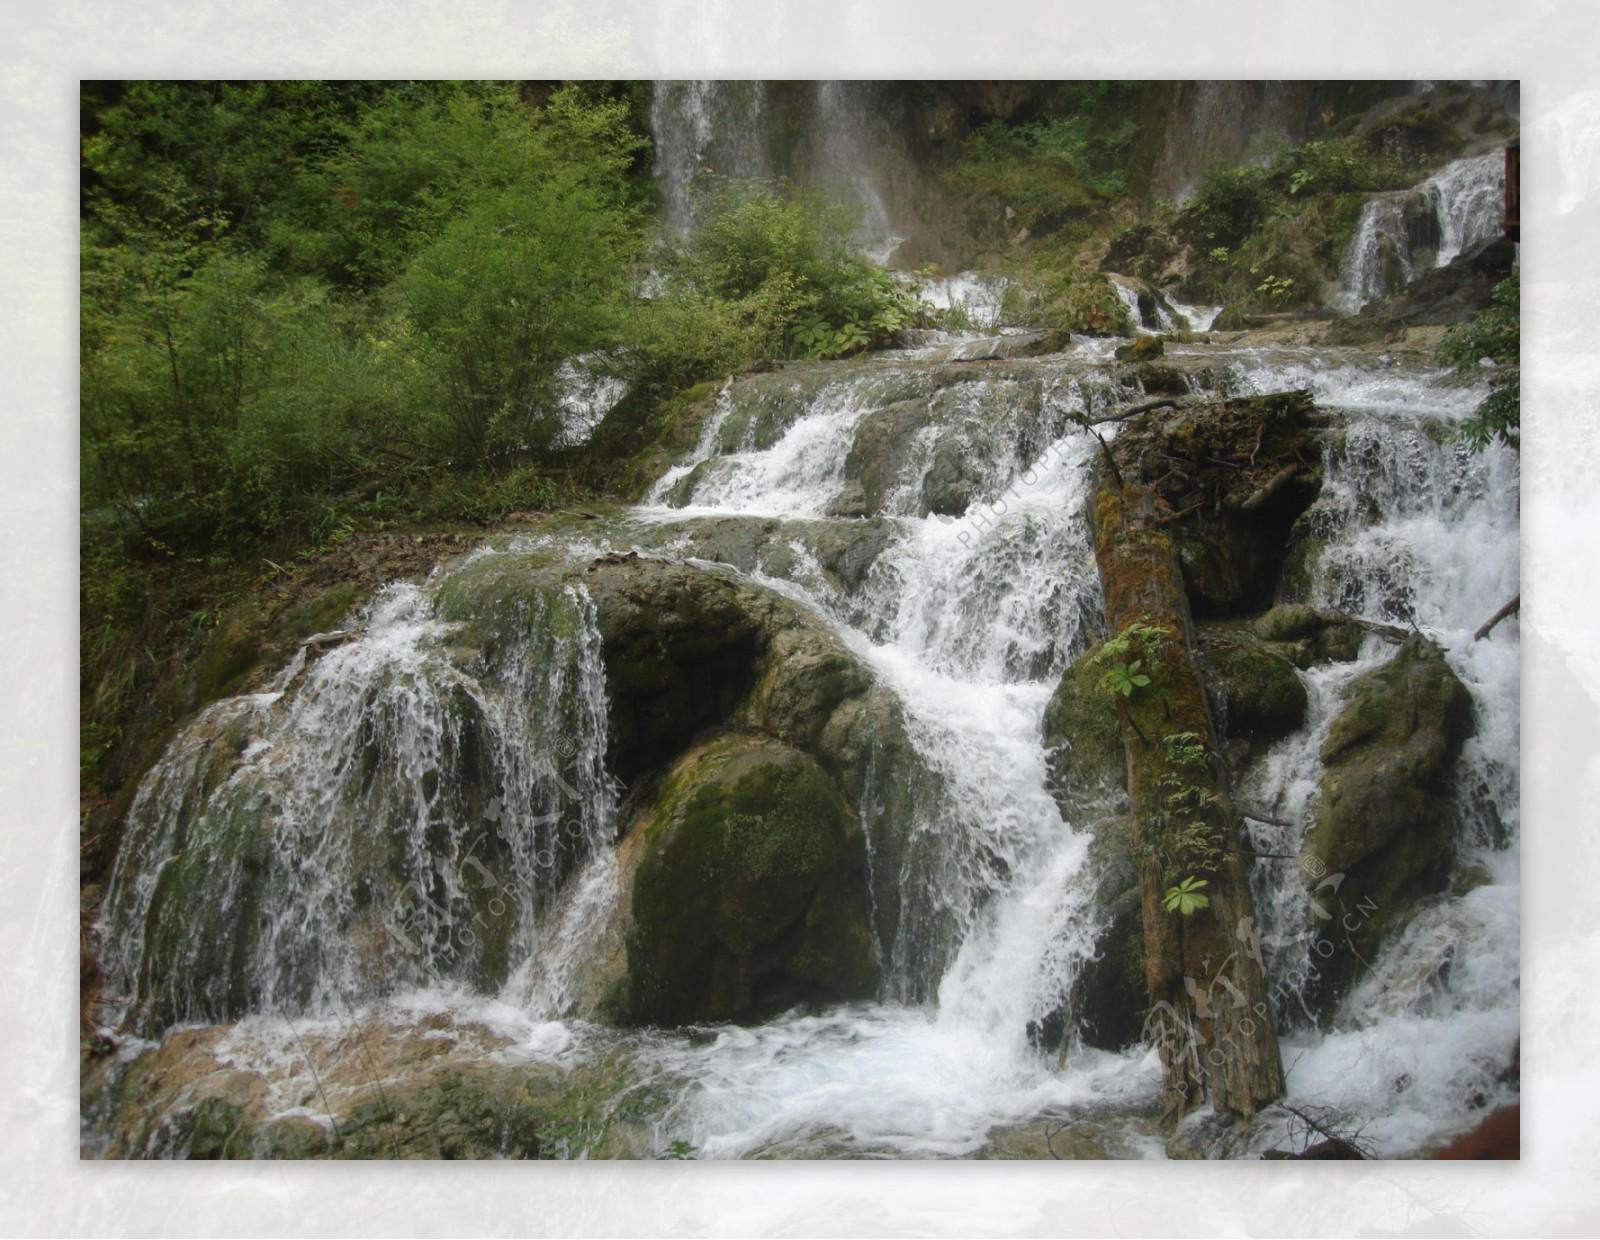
(1187, 897)
(1124, 678)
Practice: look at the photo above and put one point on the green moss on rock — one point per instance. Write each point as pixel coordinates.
(1261, 696)
(1387, 819)
(751, 892)
(1083, 736)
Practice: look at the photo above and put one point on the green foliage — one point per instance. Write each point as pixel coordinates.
(1055, 168)
(1496, 335)
(1228, 207)
(1186, 897)
(786, 264)
(1061, 297)
(520, 277)
(1124, 678)
(1262, 237)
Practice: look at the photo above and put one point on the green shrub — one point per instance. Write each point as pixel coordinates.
(786, 262)
(1495, 334)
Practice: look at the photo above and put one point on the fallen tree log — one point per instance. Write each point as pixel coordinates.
(1209, 1011)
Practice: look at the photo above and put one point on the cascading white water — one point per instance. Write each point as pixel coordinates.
(1378, 258)
(1420, 531)
(1468, 196)
(320, 844)
(735, 129)
(704, 126)
(969, 621)
(1465, 198)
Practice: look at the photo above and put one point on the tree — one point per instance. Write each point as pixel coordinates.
(526, 264)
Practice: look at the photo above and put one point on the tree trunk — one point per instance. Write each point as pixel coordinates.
(1209, 1008)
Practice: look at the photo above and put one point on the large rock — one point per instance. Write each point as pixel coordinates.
(1386, 825)
(395, 1083)
(1449, 294)
(1262, 698)
(1089, 780)
(750, 892)
(1087, 762)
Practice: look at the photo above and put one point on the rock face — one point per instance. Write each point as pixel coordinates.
(525, 679)
(1450, 294)
(750, 893)
(743, 878)
(395, 1084)
(1387, 818)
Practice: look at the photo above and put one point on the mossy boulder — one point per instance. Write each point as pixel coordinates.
(808, 674)
(750, 893)
(1387, 819)
(1159, 380)
(396, 1085)
(1305, 635)
(1109, 1000)
(1141, 350)
(680, 646)
(1089, 779)
(1087, 760)
(1261, 697)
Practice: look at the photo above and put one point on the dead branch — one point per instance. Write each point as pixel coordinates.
(1275, 484)
(1257, 816)
(1510, 609)
(1389, 632)
(1122, 415)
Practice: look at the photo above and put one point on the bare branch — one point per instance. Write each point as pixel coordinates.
(1510, 609)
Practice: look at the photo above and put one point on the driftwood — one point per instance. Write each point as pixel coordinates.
(1274, 484)
(1510, 609)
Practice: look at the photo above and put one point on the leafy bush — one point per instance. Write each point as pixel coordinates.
(787, 264)
(1061, 167)
(1228, 207)
(1067, 298)
(1496, 334)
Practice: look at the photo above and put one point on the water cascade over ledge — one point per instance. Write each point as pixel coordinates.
(420, 820)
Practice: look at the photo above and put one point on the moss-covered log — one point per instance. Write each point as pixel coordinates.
(1208, 996)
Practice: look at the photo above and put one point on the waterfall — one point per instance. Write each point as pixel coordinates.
(289, 825)
(704, 126)
(1468, 197)
(1378, 258)
(832, 134)
(1461, 206)
(330, 841)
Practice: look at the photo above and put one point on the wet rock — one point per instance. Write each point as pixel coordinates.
(884, 440)
(1083, 736)
(1261, 697)
(750, 893)
(1159, 380)
(1089, 776)
(384, 1085)
(1386, 824)
(1022, 344)
(1305, 634)
(1449, 294)
(1141, 350)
